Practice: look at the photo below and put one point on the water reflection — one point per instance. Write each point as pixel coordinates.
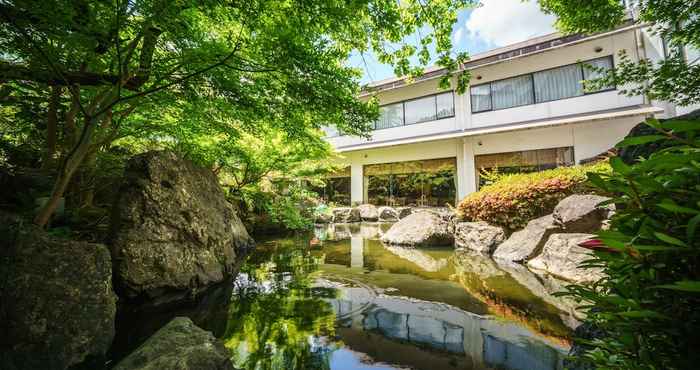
(350, 302)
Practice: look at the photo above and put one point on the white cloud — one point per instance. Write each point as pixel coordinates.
(504, 22)
(457, 37)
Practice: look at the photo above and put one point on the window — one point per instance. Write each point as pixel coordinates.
(445, 105)
(538, 87)
(390, 116)
(597, 68)
(512, 92)
(420, 110)
(481, 98)
(558, 83)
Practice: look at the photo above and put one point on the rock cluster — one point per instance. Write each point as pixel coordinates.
(173, 234)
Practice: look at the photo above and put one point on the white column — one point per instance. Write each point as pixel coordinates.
(466, 169)
(357, 183)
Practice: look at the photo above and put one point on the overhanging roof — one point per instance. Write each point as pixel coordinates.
(636, 110)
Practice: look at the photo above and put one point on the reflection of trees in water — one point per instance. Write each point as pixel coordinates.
(277, 317)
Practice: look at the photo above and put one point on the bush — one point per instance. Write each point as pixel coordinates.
(647, 306)
(514, 199)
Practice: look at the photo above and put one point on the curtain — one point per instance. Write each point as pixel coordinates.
(390, 116)
(592, 74)
(481, 98)
(558, 83)
(445, 105)
(512, 92)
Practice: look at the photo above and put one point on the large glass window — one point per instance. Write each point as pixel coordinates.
(390, 116)
(445, 105)
(597, 68)
(420, 110)
(552, 84)
(512, 92)
(481, 98)
(558, 83)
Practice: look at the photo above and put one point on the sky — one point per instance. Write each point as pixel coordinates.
(495, 23)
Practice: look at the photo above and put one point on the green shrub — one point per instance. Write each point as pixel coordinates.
(514, 199)
(647, 306)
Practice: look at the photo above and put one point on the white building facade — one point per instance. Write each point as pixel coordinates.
(526, 108)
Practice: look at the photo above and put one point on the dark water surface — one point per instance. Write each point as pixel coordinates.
(346, 301)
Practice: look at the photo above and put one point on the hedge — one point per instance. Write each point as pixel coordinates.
(514, 199)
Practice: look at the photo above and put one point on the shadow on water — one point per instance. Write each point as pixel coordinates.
(346, 301)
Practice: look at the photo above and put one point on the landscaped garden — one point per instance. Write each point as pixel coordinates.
(169, 199)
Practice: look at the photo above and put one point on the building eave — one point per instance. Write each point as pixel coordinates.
(631, 111)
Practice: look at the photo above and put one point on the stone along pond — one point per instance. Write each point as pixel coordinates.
(340, 299)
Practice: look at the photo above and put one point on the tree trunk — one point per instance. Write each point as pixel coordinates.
(51, 128)
(65, 175)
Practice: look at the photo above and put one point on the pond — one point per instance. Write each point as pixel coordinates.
(340, 299)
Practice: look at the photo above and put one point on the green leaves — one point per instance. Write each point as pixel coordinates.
(639, 140)
(684, 286)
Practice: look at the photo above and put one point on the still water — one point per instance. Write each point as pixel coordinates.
(340, 299)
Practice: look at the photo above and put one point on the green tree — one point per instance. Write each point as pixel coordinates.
(243, 62)
(675, 79)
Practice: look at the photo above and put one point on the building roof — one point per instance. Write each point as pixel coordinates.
(635, 110)
(509, 52)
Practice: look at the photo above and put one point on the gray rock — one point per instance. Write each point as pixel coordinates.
(478, 236)
(561, 257)
(581, 214)
(57, 306)
(323, 218)
(388, 214)
(179, 345)
(404, 211)
(422, 228)
(173, 232)
(527, 243)
(368, 212)
(346, 214)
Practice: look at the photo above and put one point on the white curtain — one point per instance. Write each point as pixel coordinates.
(558, 83)
(481, 98)
(390, 116)
(591, 74)
(512, 92)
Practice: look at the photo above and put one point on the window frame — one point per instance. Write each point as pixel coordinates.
(532, 79)
(403, 103)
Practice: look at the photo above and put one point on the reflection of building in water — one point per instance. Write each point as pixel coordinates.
(477, 339)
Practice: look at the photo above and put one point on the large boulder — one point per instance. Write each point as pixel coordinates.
(404, 211)
(580, 213)
(172, 231)
(422, 228)
(527, 243)
(388, 214)
(179, 345)
(346, 214)
(478, 236)
(368, 212)
(57, 306)
(561, 257)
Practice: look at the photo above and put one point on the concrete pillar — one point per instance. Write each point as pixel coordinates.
(466, 170)
(357, 183)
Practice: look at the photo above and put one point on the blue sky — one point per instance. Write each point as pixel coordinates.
(495, 23)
